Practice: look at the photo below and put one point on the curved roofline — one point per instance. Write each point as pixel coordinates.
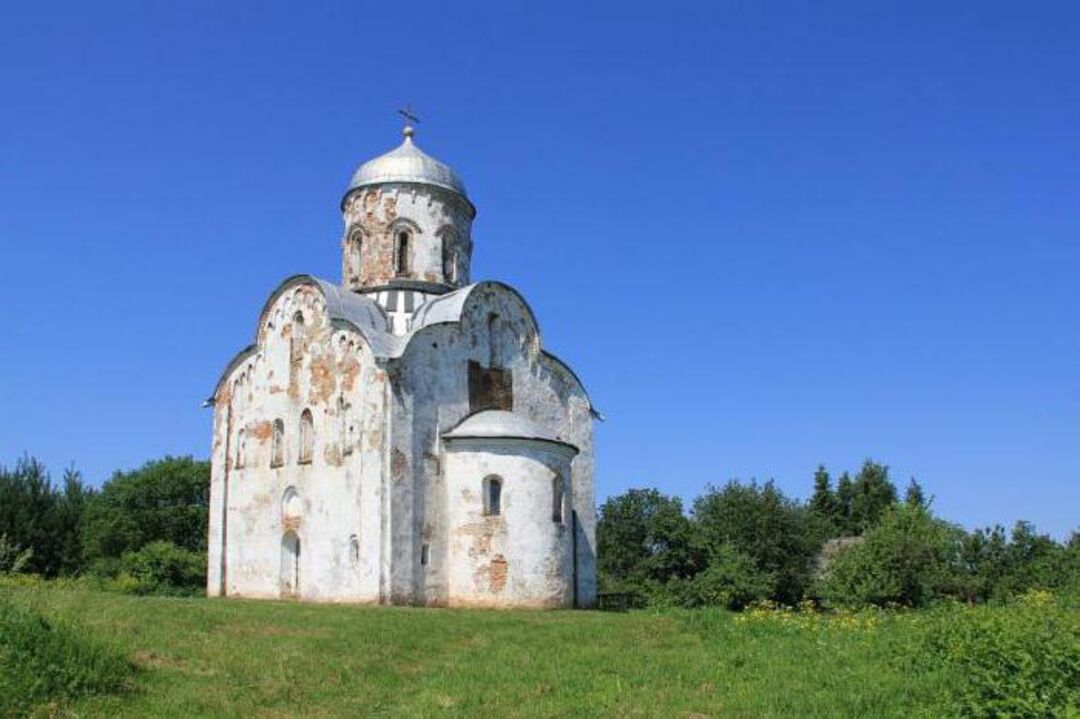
(512, 438)
(413, 183)
(468, 290)
(282, 287)
(400, 345)
(449, 436)
(233, 363)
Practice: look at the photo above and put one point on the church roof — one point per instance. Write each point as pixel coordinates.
(500, 424)
(409, 164)
(360, 311)
(364, 314)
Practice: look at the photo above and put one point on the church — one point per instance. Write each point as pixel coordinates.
(402, 436)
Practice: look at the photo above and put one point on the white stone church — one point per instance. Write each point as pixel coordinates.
(402, 437)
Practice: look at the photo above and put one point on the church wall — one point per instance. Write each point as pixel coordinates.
(432, 217)
(331, 497)
(519, 557)
(432, 396)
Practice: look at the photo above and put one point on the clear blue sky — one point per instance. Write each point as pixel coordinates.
(767, 235)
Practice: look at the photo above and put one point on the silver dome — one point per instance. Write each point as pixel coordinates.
(407, 163)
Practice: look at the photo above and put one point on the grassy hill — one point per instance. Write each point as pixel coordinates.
(197, 657)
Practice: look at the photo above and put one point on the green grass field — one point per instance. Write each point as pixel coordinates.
(197, 657)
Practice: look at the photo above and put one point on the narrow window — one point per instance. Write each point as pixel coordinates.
(307, 436)
(492, 496)
(449, 259)
(494, 359)
(343, 427)
(296, 342)
(356, 246)
(277, 444)
(425, 554)
(354, 549)
(241, 449)
(558, 498)
(402, 253)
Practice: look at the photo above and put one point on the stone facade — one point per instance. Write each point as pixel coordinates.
(402, 437)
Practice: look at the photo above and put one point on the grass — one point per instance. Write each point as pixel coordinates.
(238, 658)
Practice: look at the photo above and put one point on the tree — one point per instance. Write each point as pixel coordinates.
(70, 510)
(871, 494)
(37, 516)
(643, 536)
(730, 580)
(1034, 561)
(776, 533)
(824, 504)
(165, 500)
(914, 496)
(984, 563)
(845, 497)
(907, 559)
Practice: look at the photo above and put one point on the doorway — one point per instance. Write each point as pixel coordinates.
(290, 565)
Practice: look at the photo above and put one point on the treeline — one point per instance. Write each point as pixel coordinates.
(855, 543)
(143, 531)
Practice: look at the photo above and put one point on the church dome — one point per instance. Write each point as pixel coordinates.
(407, 163)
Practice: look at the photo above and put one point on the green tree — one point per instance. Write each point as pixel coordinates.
(824, 504)
(845, 498)
(914, 495)
(776, 533)
(643, 536)
(984, 563)
(163, 568)
(909, 558)
(730, 580)
(871, 494)
(1034, 561)
(166, 500)
(39, 517)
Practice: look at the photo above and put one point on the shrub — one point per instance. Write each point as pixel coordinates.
(165, 499)
(779, 535)
(13, 559)
(907, 560)
(44, 661)
(731, 580)
(1018, 661)
(163, 568)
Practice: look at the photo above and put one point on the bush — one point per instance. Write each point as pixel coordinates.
(731, 580)
(1018, 661)
(44, 661)
(909, 559)
(165, 500)
(779, 535)
(13, 558)
(163, 568)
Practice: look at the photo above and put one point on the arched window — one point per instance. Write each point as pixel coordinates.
(241, 449)
(558, 498)
(296, 341)
(277, 444)
(401, 253)
(307, 436)
(354, 549)
(356, 247)
(492, 496)
(449, 256)
(290, 565)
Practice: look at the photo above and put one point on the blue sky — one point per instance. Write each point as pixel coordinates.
(767, 235)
